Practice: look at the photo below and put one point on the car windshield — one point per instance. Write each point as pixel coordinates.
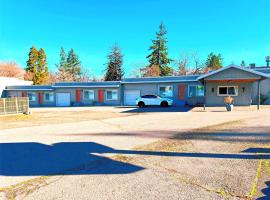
(150, 96)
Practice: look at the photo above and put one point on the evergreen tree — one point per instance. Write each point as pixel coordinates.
(73, 65)
(42, 72)
(37, 68)
(213, 61)
(114, 70)
(243, 64)
(62, 74)
(32, 65)
(159, 52)
(63, 59)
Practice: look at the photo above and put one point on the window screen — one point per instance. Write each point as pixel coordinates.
(31, 96)
(88, 94)
(166, 91)
(111, 95)
(48, 96)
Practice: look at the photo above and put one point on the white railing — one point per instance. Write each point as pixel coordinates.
(14, 105)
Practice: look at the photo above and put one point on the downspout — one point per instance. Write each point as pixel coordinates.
(259, 95)
(204, 98)
(121, 94)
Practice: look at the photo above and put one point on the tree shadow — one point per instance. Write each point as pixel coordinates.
(266, 192)
(156, 109)
(260, 136)
(257, 150)
(29, 159)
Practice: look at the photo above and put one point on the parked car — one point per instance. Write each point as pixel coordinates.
(153, 100)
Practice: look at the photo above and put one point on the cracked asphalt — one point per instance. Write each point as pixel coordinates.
(170, 155)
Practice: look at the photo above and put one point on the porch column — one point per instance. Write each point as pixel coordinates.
(259, 95)
(204, 98)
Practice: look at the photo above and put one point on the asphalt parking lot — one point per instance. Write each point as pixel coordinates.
(124, 153)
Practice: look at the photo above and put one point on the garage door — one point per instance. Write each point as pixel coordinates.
(62, 99)
(130, 97)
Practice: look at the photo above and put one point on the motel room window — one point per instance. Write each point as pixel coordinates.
(227, 90)
(32, 96)
(195, 91)
(111, 95)
(88, 94)
(48, 96)
(166, 91)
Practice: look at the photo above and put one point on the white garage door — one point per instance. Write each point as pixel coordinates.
(62, 99)
(130, 97)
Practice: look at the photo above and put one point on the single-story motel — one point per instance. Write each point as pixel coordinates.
(244, 84)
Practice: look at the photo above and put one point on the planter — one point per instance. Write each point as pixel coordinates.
(229, 107)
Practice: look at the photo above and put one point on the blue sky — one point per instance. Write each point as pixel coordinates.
(238, 29)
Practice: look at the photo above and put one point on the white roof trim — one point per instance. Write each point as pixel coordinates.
(233, 66)
(85, 86)
(26, 89)
(171, 81)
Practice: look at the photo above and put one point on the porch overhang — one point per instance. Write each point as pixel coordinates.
(232, 81)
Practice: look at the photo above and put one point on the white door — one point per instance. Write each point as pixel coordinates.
(130, 97)
(62, 99)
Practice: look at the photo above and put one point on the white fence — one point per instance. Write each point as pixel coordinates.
(14, 105)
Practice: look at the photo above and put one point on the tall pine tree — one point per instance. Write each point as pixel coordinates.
(32, 65)
(62, 73)
(42, 72)
(114, 70)
(159, 52)
(213, 61)
(73, 65)
(37, 68)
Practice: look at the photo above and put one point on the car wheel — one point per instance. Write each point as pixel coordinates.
(164, 104)
(141, 104)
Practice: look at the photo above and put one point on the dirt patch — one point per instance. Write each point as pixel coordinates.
(45, 118)
(24, 188)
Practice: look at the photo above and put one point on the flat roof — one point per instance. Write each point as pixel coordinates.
(29, 87)
(87, 84)
(163, 79)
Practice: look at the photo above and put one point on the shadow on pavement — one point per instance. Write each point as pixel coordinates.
(153, 109)
(28, 159)
(257, 150)
(260, 136)
(266, 192)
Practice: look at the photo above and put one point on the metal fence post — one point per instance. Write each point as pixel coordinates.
(4, 105)
(16, 104)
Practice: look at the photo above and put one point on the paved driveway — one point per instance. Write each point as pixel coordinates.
(117, 156)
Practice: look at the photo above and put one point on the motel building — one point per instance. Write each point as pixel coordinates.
(245, 85)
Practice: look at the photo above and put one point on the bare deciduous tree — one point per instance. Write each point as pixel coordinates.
(152, 71)
(11, 69)
(190, 64)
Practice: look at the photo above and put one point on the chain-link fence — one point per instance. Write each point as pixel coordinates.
(14, 105)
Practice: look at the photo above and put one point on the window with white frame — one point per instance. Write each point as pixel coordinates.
(195, 91)
(111, 95)
(48, 96)
(166, 91)
(32, 96)
(227, 91)
(88, 94)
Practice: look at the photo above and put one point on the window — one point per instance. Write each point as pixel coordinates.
(227, 91)
(149, 96)
(88, 94)
(111, 95)
(32, 96)
(195, 91)
(166, 91)
(48, 96)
